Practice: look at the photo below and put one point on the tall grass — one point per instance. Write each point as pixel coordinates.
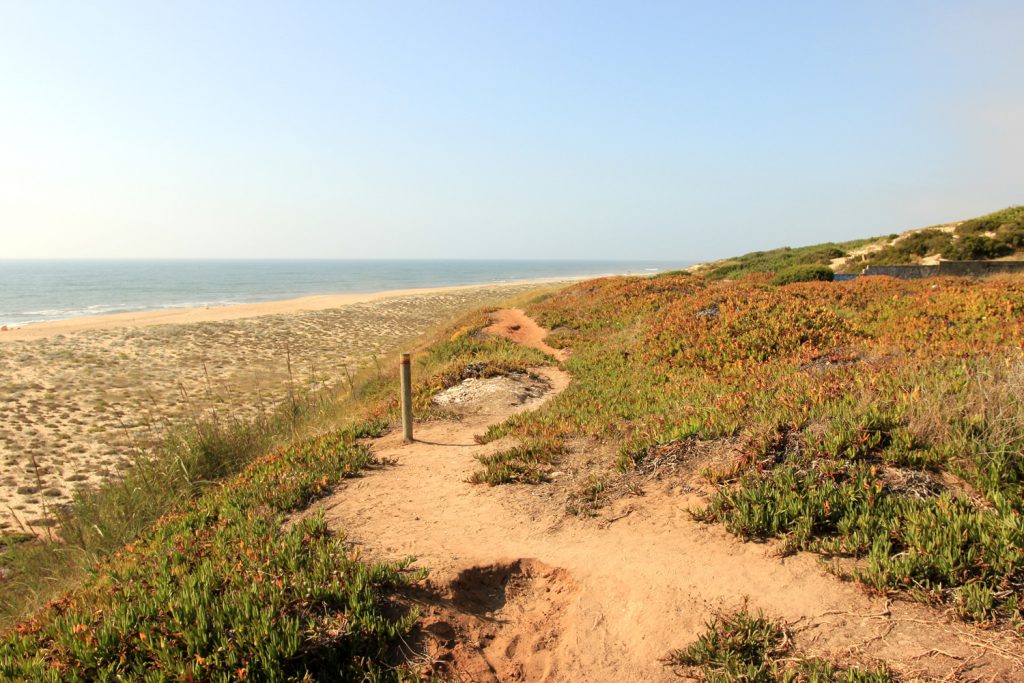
(191, 458)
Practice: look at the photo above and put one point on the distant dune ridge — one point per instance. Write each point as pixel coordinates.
(998, 235)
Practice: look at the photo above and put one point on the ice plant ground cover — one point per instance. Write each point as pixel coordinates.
(221, 587)
(750, 647)
(219, 592)
(877, 419)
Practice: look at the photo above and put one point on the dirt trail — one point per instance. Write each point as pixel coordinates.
(514, 324)
(519, 590)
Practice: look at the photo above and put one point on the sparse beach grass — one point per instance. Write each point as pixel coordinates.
(76, 410)
(878, 423)
(213, 590)
(217, 591)
(65, 490)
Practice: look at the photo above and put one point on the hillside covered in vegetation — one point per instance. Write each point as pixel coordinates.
(876, 422)
(876, 419)
(995, 235)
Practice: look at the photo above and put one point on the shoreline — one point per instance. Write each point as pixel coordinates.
(184, 315)
(75, 409)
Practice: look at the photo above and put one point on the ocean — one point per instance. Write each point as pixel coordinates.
(39, 290)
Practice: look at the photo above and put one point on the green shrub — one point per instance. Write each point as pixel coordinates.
(997, 222)
(1007, 226)
(912, 247)
(924, 243)
(977, 247)
(1014, 237)
(804, 274)
(986, 237)
(775, 260)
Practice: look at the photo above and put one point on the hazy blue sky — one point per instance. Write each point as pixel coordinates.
(522, 129)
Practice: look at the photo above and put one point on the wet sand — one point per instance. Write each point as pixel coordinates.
(78, 396)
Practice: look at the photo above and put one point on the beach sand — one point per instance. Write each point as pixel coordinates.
(78, 396)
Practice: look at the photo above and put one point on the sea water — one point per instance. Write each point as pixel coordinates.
(40, 290)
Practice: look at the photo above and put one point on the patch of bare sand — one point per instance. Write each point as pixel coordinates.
(75, 408)
(859, 253)
(520, 591)
(473, 627)
(514, 324)
(489, 394)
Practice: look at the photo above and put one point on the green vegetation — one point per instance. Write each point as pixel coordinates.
(101, 521)
(991, 236)
(526, 463)
(788, 276)
(881, 421)
(987, 237)
(977, 247)
(912, 248)
(752, 648)
(1003, 223)
(187, 568)
(220, 592)
(776, 260)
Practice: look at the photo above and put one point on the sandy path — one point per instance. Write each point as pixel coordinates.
(74, 408)
(520, 591)
(514, 324)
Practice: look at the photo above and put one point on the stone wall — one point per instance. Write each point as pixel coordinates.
(949, 268)
(980, 268)
(903, 272)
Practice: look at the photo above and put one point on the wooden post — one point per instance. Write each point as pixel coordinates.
(407, 396)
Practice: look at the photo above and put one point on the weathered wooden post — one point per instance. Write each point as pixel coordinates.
(407, 396)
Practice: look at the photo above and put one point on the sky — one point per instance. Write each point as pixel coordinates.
(632, 130)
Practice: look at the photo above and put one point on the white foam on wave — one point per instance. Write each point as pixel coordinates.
(64, 312)
(201, 304)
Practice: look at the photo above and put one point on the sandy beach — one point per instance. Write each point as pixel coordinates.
(78, 396)
(183, 316)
